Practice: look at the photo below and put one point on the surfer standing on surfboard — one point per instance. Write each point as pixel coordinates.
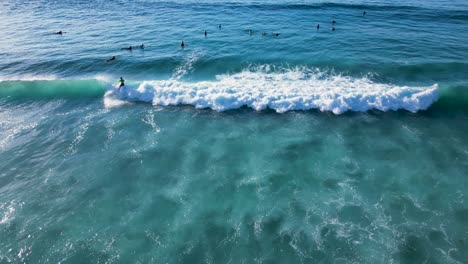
(122, 82)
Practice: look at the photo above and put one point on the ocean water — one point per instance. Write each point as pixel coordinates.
(313, 146)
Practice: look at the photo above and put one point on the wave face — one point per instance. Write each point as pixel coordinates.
(293, 89)
(40, 88)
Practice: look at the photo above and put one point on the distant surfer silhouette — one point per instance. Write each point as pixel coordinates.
(142, 46)
(182, 44)
(111, 59)
(122, 82)
(206, 33)
(59, 32)
(364, 13)
(318, 26)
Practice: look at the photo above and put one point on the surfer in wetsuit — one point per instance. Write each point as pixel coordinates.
(182, 44)
(122, 82)
(129, 48)
(59, 33)
(111, 59)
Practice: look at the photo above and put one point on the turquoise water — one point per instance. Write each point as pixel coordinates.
(315, 146)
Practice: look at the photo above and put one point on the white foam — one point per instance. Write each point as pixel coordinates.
(187, 65)
(28, 78)
(103, 78)
(297, 89)
(7, 214)
(100, 77)
(110, 100)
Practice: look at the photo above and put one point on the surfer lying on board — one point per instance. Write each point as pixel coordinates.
(122, 82)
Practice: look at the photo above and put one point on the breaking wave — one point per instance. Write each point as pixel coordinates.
(294, 89)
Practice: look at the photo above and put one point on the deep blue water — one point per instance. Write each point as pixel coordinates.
(313, 146)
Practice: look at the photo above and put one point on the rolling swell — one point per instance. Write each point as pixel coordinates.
(339, 5)
(208, 68)
(48, 89)
(280, 91)
(287, 90)
(298, 6)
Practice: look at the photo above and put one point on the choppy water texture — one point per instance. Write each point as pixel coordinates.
(314, 146)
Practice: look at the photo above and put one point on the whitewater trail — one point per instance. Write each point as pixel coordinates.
(187, 65)
(292, 89)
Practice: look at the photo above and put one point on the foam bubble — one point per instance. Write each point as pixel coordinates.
(297, 89)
